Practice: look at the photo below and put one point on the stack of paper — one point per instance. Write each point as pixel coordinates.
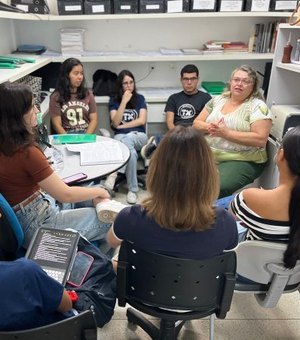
(72, 42)
(104, 152)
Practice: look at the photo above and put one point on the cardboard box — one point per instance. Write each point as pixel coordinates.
(69, 7)
(126, 6)
(231, 5)
(203, 6)
(177, 6)
(257, 5)
(283, 5)
(152, 6)
(97, 7)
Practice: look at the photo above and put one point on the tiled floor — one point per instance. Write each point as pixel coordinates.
(245, 321)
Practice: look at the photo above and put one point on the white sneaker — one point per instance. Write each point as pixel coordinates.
(108, 210)
(110, 181)
(131, 197)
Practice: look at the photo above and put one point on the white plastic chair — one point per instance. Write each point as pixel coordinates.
(262, 262)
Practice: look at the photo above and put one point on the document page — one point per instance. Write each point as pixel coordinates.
(103, 152)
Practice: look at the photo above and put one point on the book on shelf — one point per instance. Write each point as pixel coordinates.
(103, 152)
(263, 37)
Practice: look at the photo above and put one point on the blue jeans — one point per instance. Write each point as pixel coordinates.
(224, 203)
(44, 212)
(135, 141)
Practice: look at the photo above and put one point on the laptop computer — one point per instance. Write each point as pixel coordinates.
(54, 250)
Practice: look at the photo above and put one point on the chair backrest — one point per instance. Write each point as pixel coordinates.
(81, 327)
(175, 283)
(260, 260)
(11, 232)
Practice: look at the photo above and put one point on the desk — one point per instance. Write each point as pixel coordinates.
(71, 163)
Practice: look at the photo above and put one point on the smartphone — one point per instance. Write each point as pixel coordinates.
(74, 178)
(80, 269)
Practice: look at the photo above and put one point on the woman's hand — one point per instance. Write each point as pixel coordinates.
(218, 129)
(126, 96)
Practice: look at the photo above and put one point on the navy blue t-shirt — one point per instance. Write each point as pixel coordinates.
(129, 114)
(29, 297)
(133, 224)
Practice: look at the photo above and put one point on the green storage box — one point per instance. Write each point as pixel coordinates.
(214, 87)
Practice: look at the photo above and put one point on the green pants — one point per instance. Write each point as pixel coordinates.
(235, 175)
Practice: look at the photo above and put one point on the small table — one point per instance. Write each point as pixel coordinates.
(71, 162)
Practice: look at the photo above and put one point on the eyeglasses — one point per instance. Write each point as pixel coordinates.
(243, 81)
(125, 83)
(189, 79)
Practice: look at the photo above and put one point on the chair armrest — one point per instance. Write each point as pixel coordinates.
(104, 133)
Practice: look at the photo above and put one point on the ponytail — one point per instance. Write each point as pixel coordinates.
(292, 253)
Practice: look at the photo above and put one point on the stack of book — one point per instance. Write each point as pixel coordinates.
(235, 46)
(72, 42)
(218, 46)
(213, 47)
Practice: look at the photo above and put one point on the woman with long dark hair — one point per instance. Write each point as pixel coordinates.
(29, 183)
(128, 114)
(72, 106)
(274, 214)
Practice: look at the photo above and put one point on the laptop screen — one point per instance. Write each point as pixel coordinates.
(54, 250)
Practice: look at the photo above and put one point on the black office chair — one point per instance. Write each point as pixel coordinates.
(173, 289)
(80, 327)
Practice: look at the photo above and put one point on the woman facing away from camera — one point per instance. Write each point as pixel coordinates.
(72, 106)
(237, 124)
(274, 214)
(179, 217)
(128, 114)
(29, 183)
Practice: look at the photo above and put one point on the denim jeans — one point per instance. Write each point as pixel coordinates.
(135, 141)
(224, 203)
(44, 212)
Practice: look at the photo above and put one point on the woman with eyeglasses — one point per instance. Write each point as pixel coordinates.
(128, 114)
(237, 124)
(274, 214)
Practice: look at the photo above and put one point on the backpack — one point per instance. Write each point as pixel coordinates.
(104, 82)
(98, 291)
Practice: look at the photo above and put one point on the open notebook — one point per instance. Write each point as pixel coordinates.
(54, 250)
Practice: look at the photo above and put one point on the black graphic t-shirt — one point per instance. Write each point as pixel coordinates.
(186, 107)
